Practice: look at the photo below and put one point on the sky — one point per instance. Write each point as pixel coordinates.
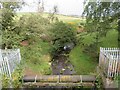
(66, 7)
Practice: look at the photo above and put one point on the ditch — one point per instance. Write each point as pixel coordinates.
(61, 65)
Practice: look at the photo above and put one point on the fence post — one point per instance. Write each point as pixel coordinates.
(100, 57)
(0, 60)
(19, 56)
(109, 67)
(0, 70)
(8, 66)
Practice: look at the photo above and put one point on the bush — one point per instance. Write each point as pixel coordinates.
(32, 27)
(15, 81)
(5, 81)
(17, 78)
(61, 34)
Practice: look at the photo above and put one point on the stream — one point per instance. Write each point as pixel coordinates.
(62, 66)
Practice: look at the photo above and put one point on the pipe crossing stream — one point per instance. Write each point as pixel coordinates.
(60, 80)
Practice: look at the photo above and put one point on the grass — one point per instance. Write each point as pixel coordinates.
(84, 64)
(36, 57)
(111, 39)
(64, 18)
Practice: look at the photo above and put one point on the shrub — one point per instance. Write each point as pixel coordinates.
(33, 27)
(61, 34)
(5, 81)
(15, 81)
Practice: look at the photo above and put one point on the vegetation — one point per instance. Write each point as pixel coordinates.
(16, 81)
(83, 64)
(41, 36)
(64, 18)
(36, 57)
(8, 23)
(30, 34)
(33, 30)
(87, 63)
(97, 15)
(62, 34)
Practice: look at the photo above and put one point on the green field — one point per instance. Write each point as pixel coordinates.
(64, 18)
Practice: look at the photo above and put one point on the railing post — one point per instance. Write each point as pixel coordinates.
(0, 70)
(100, 57)
(19, 56)
(0, 60)
(10, 76)
(6, 59)
(109, 67)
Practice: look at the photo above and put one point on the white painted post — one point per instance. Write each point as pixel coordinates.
(19, 55)
(8, 66)
(100, 57)
(0, 70)
(0, 60)
(1, 55)
(116, 64)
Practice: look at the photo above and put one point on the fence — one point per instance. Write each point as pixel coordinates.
(109, 61)
(8, 61)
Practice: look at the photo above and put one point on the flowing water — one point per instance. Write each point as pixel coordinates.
(62, 66)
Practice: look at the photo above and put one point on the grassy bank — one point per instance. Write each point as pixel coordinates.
(36, 57)
(83, 63)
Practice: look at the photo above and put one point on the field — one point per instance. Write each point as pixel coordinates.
(63, 18)
(82, 62)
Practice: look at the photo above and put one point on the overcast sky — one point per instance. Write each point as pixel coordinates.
(66, 7)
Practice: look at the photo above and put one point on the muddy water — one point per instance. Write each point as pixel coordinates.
(62, 66)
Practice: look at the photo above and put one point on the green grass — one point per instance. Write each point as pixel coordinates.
(36, 57)
(64, 18)
(83, 64)
(111, 40)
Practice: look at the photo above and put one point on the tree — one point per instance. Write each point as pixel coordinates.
(8, 24)
(61, 34)
(52, 16)
(100, 18)
(33, 27)
(40, 6)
